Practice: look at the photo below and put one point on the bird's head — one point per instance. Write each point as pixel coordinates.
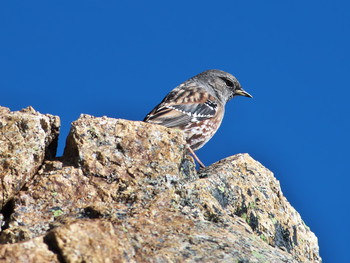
(224, 84)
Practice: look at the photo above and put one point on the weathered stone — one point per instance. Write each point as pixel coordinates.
(118, 149)
(26, 137)
(161, 237)
(58, 194)
(34, 250)
(127, 192)
(49, 196)
(92, 241)
(60, 191)
(241, 186)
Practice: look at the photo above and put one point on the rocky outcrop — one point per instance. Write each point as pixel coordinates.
(26, 138)
(126, 191)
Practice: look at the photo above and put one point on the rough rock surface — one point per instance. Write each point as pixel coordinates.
(32, 251)
(26, 136)
(126, 191)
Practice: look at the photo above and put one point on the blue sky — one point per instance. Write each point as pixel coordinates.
(120, 59)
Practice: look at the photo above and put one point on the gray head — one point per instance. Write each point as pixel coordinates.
(223, 84)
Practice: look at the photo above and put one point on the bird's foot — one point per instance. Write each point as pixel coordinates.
(195, 157)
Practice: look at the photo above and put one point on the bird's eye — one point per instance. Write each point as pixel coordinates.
(228, 82)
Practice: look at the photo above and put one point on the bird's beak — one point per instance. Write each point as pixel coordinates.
(242, 92)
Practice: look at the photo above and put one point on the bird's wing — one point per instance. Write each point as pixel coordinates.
(186, 103)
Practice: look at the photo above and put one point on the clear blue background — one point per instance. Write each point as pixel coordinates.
(120, 59)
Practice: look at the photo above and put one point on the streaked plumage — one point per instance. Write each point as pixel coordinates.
(197, 106)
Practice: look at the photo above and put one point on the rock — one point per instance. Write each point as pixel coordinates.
(56, 192)
(243, 187)
(126, 191)
(26, 137)
(166, 237)
(92, 241)
(115, 171)
(34, 250)
(121, 150)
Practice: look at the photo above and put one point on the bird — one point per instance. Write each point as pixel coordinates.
(197, 107)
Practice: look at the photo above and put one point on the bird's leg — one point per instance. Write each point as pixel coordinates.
(195, 157)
